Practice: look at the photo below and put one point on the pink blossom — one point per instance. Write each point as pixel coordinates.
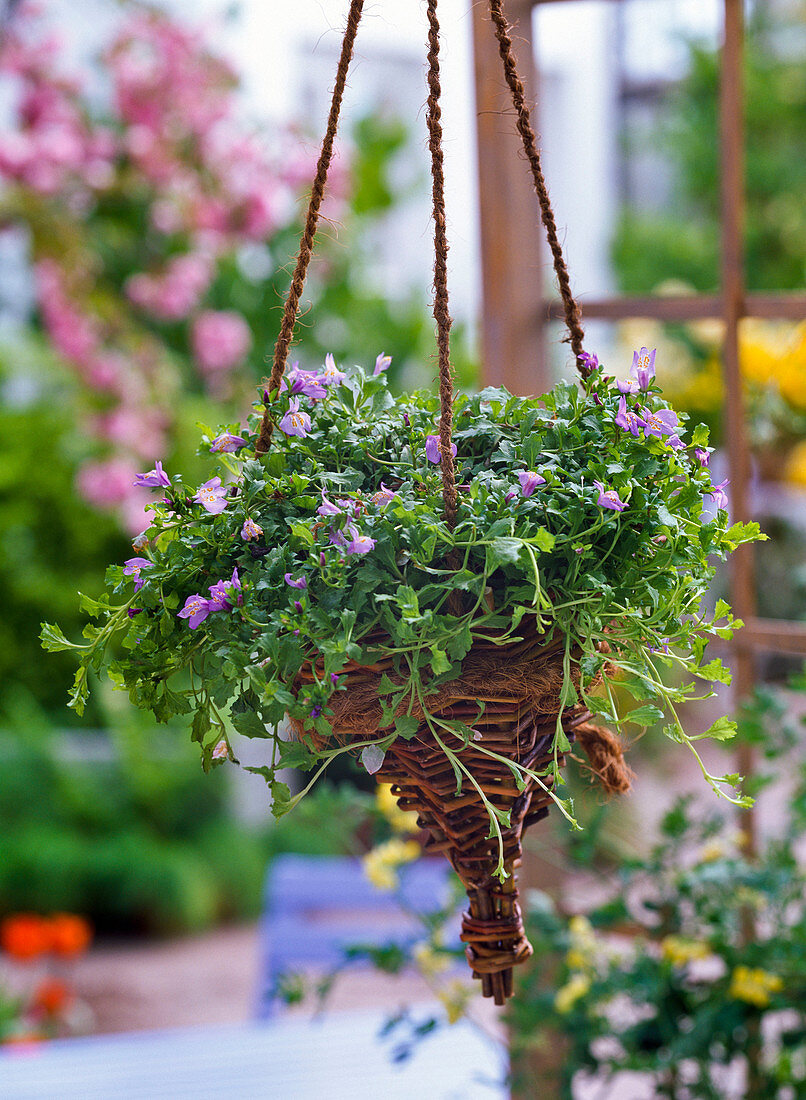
(221, 340)
(172, 294)
(141, 431)
(106, 483)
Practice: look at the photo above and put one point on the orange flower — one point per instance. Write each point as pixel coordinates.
(52, 997)
(69, 934)
(25, 936)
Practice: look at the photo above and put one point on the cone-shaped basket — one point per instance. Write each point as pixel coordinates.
(519, 685)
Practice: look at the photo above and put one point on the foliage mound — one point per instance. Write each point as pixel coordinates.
(582, 515)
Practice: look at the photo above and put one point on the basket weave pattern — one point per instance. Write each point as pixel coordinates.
(519, 684)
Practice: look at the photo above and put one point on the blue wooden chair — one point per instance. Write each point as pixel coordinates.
(316, 906)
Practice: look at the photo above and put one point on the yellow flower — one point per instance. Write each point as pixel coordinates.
(568, 995)
(380, 865)
(454, 997)
(712, 851)
(583, 943)
(754, 985)
(795, 469)
(679, 951)
(429, 962)
(402, 821)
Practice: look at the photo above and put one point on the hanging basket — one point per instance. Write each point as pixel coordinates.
(510, 692)
(509, 695)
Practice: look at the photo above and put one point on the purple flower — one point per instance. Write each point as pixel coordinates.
(222, 593)
(298, 607)
(660, 423)
(227, 443)
(529, 482)
(306, 382)
(383, 496)
(589, 362)
(510, 496)
(300, 582)
(316, 711)
(702, 456)
(154, 478)
(432, 448)
(627, 419)
(626, 385)
(196, 610)
(132, 568)
(675, 442)
(643, 367)
(334, 678)
(251, 530)
(295, 422)
(212, 496)
(719, 495)
(331, 375)
(358, 544)
(337, 538)
(133, 612)
(406, 420)
(328, 508)
(609, 498)
(382, 363)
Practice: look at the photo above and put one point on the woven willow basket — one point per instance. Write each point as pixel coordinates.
(519, 685)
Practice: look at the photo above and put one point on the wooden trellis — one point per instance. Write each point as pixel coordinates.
(515, 316)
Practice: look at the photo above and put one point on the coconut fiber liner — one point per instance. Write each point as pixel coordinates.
(519, 684)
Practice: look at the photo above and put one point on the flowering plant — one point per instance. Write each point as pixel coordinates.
(585, 512)
(46, 1007)
(142, 210)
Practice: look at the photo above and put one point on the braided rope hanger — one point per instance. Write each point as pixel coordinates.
(441, 305)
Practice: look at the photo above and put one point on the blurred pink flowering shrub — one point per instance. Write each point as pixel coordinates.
(137, 213)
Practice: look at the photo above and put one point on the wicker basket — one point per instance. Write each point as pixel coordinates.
(518, 722)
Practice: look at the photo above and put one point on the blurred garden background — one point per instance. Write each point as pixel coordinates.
(153, 162)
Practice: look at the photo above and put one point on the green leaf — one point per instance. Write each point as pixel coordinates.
(646, 715)
(543, 539)
(406, 727)
(722, 730)
(740, 533)
(406, 599)
(302, 531)
(200, 725)
(503, 551)
(715, 670)
(54, 640)
(79, 692)
(250, 724)
(439, 662)
(294, 754)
